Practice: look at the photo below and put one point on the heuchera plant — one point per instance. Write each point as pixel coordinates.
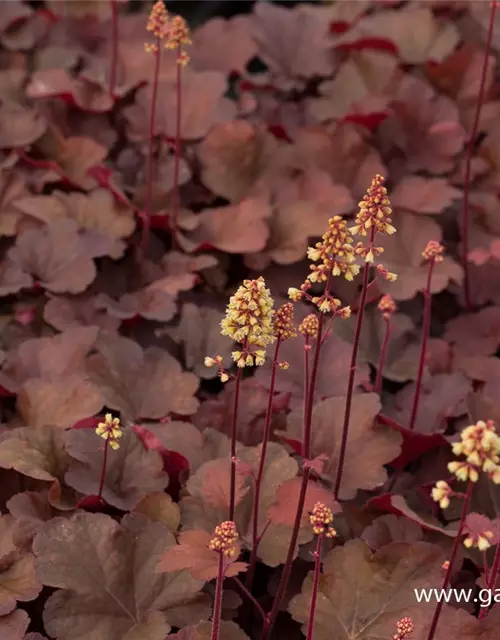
(193, 444)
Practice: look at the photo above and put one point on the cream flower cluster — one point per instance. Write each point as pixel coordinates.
(480, 444)
(336, 256)
(321, 518)
(224, 539)
(249, 320)
(174, 31)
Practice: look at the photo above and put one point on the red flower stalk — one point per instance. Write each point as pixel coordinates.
(388, 307)
(433, 253)
(103, 471)
(306, 471)
(468, 161)
(374, 215)
(283, 330)
(321, 518)
(158, 25)
(178, 37)
(491, 579)
(249, 322)
(480, 446)
(234, 430)
(309, 329)
(454, 551)
(336, 257)
(224, 542)
(177, 160)
(218, 600)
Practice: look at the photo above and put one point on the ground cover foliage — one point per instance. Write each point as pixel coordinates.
(201, 436)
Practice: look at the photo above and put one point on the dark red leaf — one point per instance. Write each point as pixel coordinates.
(376, 44)
(368, 120)
(414, 444)
(91, 503)
(336, 28)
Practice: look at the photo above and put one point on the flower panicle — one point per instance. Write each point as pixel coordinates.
(321, 518)
(249, 321)
(387, 306)
(480, 445)
(309, 326)
(335, 256)
(374, 212)
(224, 539)
(173, 31)
(178, 33)
(433, 252)
(110, 430)
(404, 629)
(334, 252)
(284, 328)
(157, 25)
(374, 216)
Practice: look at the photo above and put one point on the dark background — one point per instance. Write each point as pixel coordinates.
(198, 11)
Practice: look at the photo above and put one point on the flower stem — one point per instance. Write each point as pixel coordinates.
(423, 347)
(307, 349)
(454, 550)
(247, 593)
(328, 332)
(317, 570)
(103, 470)
(495, 569)
(352, 374)
(285, 574)
(310, 394)
(149, 169)
(234, 424)
(260, 472)
(114, 47)
(468, 161)
(218, 599)
(485, 568)
(491, 579)
(383, 355)
(177, 158)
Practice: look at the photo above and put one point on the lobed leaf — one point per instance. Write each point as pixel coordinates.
(371, 447)
(58, 401)
(141, 384)
(18, 582)
(105, 573)
(55, 256)
(383, 582)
